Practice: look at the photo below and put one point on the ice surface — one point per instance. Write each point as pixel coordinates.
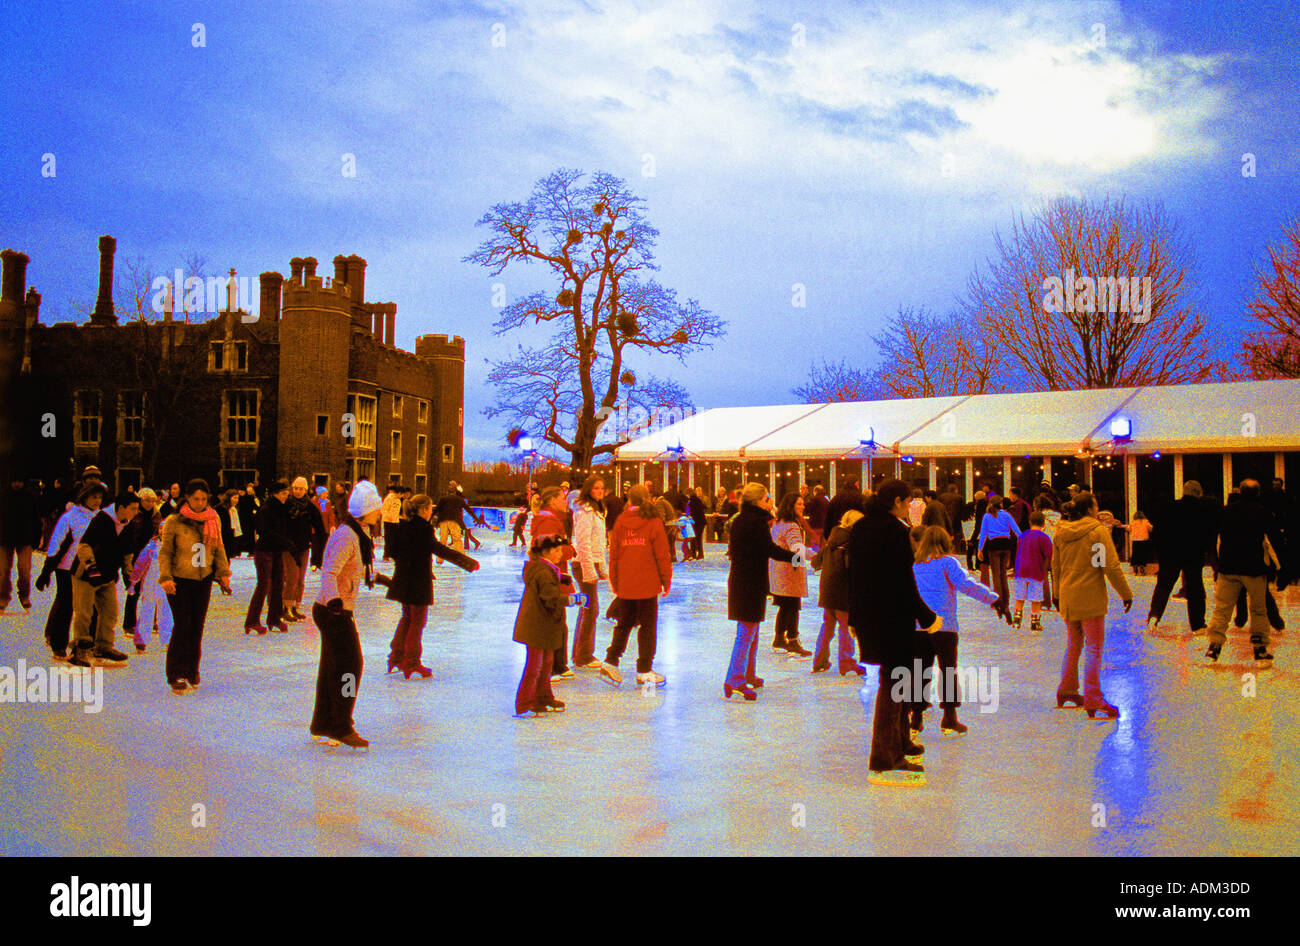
(1193, 767)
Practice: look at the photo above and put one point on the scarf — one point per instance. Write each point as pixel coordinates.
(367, 546)
(211, 525)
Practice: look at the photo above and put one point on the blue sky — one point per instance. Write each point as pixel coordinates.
(803, 145)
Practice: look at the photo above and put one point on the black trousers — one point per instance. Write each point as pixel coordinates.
(58, 624)
(943, 645)
(339, 677)
(128, 609)
(641, 613)
(1193, 585)
(889, 733)
(787, 617)
(189, 613)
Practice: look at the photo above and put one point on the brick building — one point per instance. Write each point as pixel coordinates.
(311, 385)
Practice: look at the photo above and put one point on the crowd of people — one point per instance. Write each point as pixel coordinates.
(888, 567)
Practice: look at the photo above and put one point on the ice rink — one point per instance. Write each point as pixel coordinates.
(1193, 767)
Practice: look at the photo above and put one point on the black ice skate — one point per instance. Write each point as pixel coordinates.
(1263, 658)
(949, 727)
(1212, 654)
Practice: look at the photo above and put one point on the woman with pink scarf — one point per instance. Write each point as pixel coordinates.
(190, 557)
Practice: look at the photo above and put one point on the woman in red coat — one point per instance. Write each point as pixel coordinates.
(640, 570)
(553, 520)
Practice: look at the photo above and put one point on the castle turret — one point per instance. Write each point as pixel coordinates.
(11, 285)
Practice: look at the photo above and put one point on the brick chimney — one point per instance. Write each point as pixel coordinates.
(104, 314)
(341, 272)
(356, 277)
(309, 267)
(295, 270)
(15, 275)
(269, 313)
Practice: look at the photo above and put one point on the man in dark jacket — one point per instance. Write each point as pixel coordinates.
(952, 505)
(268, 558)
(1243, 527)
(935, 514)
(1183, 533)
(815, 510)
(885, 610)
(20, 532)
(100, 560)
(305, 523)
(849, 496)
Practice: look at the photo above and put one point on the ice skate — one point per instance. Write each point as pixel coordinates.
(1017, 618)
(1035, 624)
(551, 706)
(795, 649)
(611, 674)
(747, 691)
(182, 688)
(1263, 659)
(910, 776)
(657, 679)
(949, 727)
(1075, 699)
(351, 740)
(1105, 711)
(528, 714)
(109, 657)
(1153, 622)
(1212, 654)
(420, 671)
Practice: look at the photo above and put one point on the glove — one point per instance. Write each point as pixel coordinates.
(42, 580)
(335, 607)
(383, 580)
(1128, 605)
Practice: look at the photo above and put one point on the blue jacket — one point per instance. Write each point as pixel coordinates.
(940, 580)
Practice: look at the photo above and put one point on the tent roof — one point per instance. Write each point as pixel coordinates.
(1238, 416)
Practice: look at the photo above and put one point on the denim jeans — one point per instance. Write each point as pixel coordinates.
(822, 656)
(1086, 637)
(744, 654)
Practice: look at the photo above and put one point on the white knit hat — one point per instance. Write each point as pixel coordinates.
(364, 499)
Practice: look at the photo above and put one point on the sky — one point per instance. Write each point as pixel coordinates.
(866, 152)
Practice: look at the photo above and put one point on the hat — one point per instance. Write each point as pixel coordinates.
(364, 499)
(319, 490)
(89, 490)
(92, 470)
(548, 541)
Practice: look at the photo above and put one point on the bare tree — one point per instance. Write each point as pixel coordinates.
(596, 241)
(828, 383)
(1088, 295)
(1274, 350)
(924, 355)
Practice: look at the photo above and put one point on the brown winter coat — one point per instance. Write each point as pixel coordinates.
(1077, 578)
(833, 560)
(541, 618)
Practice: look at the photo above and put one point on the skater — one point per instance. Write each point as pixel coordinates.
(815, 508)
(20, 532)
(1139, 532)
(938, 580)
(137, 535)
(749, 549)
(190, 558)
(152, 600)
(1033, 559)
(322, 526)
(789, 585)
(349, 557)
(1184, 536)
(1245, 528)
(451, 517)
(885, 608)
(100, 560)
(590, 538)
(59, 559)
(833, 598)
(640, 570)
(392, 515)
(521, 520)
(996, 545)
(540, 624)
(975, 513)
(699, 522)
(249, 505)
(550, 520)
(304, 525)
(413, 545)
(1079, 581)
(268, 559)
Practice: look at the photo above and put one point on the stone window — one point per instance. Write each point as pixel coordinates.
(216, 356)
(397, 405)
(130, 414)
(322, 424)
(421, 447)
(362, 409)
(397, 445)
(86, 416)
(423, 412)
(448, 452)
(241, 409)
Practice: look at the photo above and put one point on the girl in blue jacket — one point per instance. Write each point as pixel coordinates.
(939, 578)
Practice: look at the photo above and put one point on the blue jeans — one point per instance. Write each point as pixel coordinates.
(743, 654)
(822, 657)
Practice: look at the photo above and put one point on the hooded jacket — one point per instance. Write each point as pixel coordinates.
(72, 523)
(589, 539)
(541, 620)
(640, 566)
(1083, 559)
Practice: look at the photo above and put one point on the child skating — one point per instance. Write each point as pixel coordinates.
(1033, 559)
(541, 623)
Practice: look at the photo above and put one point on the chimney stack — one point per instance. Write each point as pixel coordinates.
(390, 325)
(295, 270)
(356, 277)
(104, 314)
(15, 275)
(309, 267)
(341, 271)
(270, 310)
